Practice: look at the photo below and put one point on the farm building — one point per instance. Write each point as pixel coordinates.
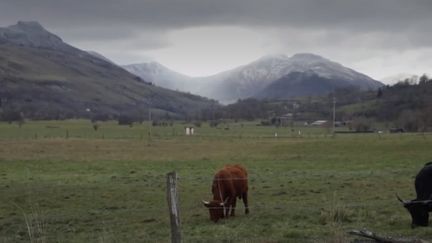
(320, 123)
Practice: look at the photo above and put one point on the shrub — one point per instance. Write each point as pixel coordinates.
(125, 120)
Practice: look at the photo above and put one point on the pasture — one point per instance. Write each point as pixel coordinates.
(65, 182)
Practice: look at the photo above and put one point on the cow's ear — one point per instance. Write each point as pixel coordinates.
(207, 204)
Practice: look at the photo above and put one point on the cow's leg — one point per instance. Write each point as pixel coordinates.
(245, 201)
(227, 206)
(233, 205)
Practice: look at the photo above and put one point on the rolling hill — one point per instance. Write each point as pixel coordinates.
(45, 78)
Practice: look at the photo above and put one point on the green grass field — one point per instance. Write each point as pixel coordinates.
(65, 182)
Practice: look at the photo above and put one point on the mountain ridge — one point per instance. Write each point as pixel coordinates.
(45, 78)
(250, 79)
(160, 75)
(32, 34)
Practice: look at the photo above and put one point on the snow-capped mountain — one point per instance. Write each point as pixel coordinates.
(160, 75)
(251, 79)
(255, 79)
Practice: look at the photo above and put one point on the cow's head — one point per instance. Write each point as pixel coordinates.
(216, 209)
(419, 211)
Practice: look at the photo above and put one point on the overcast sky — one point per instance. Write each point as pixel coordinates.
(201, 37)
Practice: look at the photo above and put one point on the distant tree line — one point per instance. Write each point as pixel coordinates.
(303, 108)
(405, 105)
(408, 104)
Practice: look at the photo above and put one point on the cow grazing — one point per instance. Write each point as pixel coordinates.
(420, 207)
(229, 184)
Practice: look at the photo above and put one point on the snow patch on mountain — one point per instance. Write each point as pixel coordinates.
(160, 75)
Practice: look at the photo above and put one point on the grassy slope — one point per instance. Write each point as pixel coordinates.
(301, 189)
(75, 81)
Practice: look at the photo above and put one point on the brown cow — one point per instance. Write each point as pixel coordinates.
(228, 183)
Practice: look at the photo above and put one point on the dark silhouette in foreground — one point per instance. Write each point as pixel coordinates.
(420, 207)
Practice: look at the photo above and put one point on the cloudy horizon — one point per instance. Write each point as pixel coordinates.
(200, 38)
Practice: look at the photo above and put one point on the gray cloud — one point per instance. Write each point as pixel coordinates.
(344, 25)
(360, 15)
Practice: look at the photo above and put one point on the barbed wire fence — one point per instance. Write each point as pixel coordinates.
(182, 185)
(331, 205)
(142, 134)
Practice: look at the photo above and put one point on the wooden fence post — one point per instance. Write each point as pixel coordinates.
(173, 207)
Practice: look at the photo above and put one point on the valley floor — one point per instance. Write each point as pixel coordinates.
(66, 182)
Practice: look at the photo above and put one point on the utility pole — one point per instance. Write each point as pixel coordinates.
(150, 121)
(334, 112)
